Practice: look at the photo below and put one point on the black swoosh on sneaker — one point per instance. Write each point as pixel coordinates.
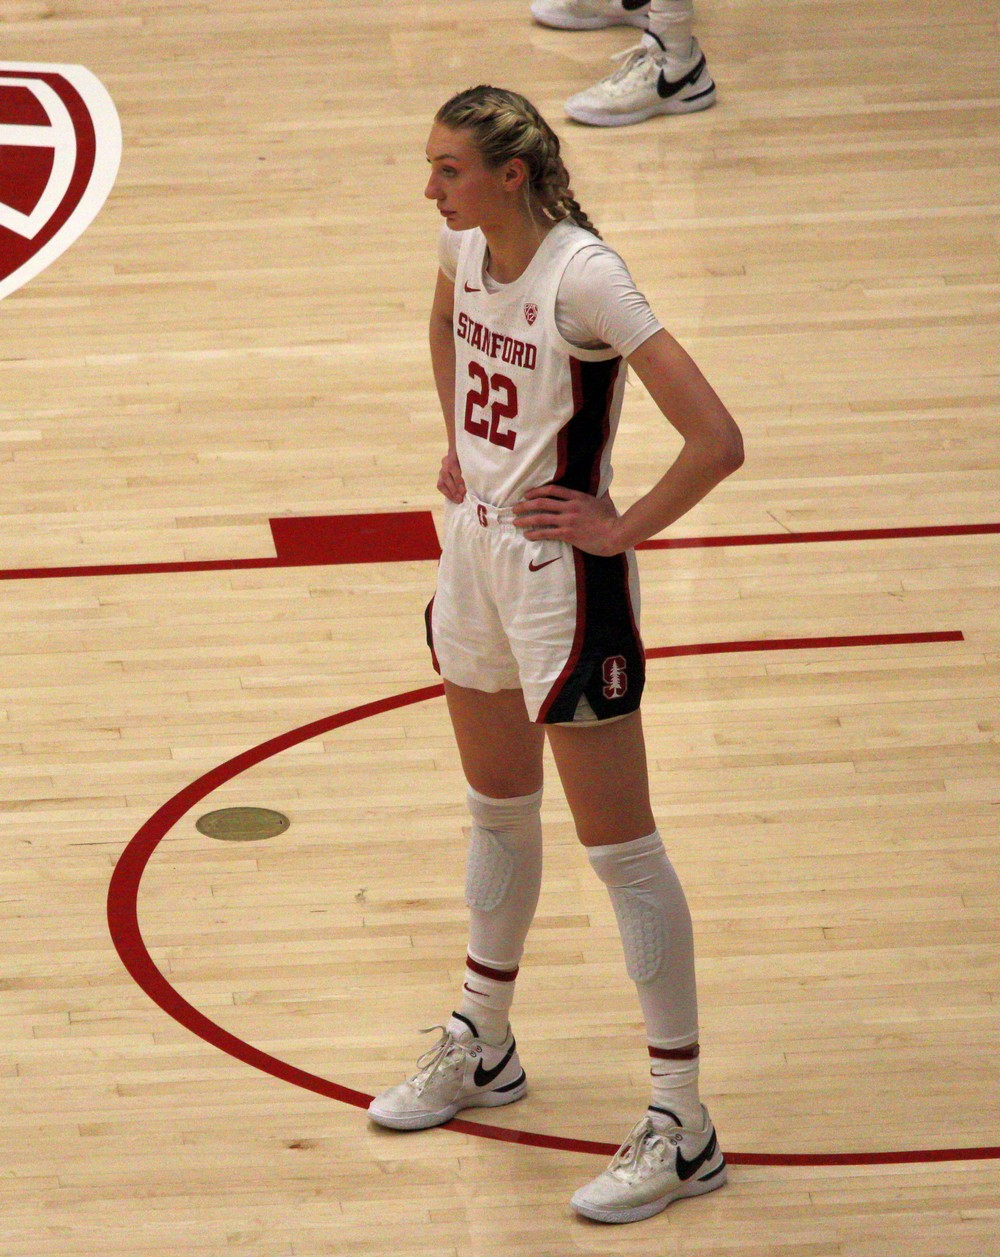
(483, 1077)
(666, 89)
(632, 6)
(511, 1086)
(687, 1169)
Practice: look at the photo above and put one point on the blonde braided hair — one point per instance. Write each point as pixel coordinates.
(506, 125)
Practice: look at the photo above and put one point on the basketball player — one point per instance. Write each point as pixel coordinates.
(664, 73)
(534, 625)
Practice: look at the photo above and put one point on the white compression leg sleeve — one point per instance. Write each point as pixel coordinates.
(503, 875)
(655, 926)
(502, 882)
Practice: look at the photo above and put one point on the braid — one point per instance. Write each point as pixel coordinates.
(507, 125)
(556, 198)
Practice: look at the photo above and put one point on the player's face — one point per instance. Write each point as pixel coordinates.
(466, 191)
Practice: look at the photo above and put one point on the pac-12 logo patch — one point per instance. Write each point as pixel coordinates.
(530, 312)
(60, 145)
(615, 677)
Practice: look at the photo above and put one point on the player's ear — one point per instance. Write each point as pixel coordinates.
(515, 175)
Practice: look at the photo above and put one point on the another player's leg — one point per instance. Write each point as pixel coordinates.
(672, 1150)
(664, 74)
(475, 1063)
(589, 15)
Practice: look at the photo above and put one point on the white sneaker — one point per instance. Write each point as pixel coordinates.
(647, 82)
(652, 1168)
(590, 15)
(459, 1072)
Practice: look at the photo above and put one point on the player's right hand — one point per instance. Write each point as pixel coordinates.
(450, 481)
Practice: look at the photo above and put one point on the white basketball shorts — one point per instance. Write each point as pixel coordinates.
(539, 616)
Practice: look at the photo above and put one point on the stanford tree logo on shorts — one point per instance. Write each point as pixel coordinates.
(60, 145)
(615, 678)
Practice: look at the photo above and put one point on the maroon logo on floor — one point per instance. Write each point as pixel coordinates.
(615, 680)
(60, 145)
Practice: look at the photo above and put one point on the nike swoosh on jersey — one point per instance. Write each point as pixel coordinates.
(537, 567)
(483, 1077)
(686, 1169)
(667, 89)
(468, 289)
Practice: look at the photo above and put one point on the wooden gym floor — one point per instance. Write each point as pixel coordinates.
(240, 338)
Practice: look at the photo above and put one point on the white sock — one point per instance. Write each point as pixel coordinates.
(503, 880)
(675, 1092)
(670, 25)
(487, 995)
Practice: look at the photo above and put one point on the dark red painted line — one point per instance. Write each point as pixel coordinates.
(123, 922)
(139, 569)
(805, 643)
(299, 541)
(788, 538)
(405, 536)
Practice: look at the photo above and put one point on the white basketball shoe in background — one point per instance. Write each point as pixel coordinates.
(590, 15)
(647, 81)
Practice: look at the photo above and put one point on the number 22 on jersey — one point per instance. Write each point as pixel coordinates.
(503, 406)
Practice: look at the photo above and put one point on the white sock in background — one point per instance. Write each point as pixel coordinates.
(671, 22)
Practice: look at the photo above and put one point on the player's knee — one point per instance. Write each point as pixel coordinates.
(505, 837)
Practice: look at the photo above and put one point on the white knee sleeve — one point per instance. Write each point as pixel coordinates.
(655, 927)
(503, 875)
(643, 934)
(488, 871)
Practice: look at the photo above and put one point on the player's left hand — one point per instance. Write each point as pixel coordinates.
(552, 513)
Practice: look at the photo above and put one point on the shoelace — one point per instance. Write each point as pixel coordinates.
(629, 58)
(642, 1148)
(445, 1053)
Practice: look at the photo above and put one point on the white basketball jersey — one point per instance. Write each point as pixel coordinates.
(530, 408)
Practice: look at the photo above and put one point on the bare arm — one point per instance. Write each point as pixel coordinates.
(442, 342)
(712, 450)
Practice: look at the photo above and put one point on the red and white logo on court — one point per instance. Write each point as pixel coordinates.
(530, 312)
(60, 145)
(615, 678)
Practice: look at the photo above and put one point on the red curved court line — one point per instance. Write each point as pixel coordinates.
(123, 922)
